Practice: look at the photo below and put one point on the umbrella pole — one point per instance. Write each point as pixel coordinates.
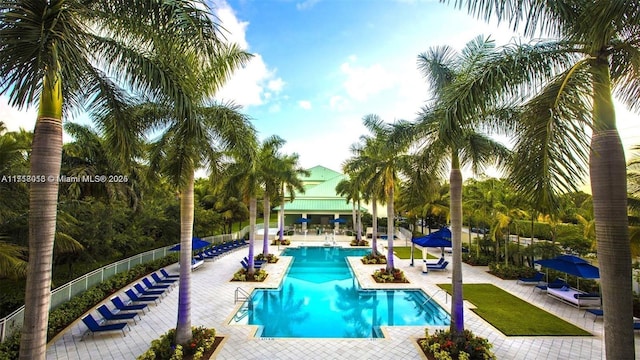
(412, 246)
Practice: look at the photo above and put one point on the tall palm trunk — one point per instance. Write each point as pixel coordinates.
(281, 217)
(183, 327)
(266, 209)
(354, 218)
(46, 157)
(374, 226)
(253, 209)
(457, 310)
(359, 220)
(390, 229)
(609, 188)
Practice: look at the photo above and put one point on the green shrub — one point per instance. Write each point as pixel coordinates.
(270, 258)
(511, 272)
(393, 276)
(241, 275)
(443, 346)
(374, 259)
(10, 348)
(165, 347)
(355, 242)
(482, 260)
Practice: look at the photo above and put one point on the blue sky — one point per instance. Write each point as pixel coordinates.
(320, 66)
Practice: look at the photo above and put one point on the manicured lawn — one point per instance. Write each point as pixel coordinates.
(404, 252)
(513, 316)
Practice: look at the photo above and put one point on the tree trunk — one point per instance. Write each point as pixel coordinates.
(359, 220)
(457, 310)
(281, 224)
(390, 229)
(354, 218)
(46, 156)
(374, 226)
(253, 210)
(266, 209)
(609, 189)
(183, 327)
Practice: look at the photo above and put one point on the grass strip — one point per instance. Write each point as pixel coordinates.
(512, 315)
(404, 252)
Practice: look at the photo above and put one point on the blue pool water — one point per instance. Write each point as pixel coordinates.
(320, 298)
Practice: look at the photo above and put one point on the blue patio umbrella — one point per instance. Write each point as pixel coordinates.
(302, 220)
(196, 244)
(571, 265)
(440, 238)
(339, 221)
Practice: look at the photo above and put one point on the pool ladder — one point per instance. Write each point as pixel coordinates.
(446, 297)
(241, 295)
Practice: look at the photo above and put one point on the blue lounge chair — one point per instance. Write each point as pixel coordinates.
(120, 305)
(245, 265)
(532, 280)
(440, 266)
(135, 298)
(152, 286)
(94, 327)
(167, 275)
(555, 284)
(157, 279)
(255, 261)
(147, 292)
(108, 315)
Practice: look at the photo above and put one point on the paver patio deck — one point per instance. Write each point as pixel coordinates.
(213, 306)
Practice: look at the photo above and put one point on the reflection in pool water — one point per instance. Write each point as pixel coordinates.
(320, 298)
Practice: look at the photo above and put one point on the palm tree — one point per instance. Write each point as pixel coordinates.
(288, 172)
(242, 176)
(62, 55)
(270, 163)
(603, 42)
(378, 164)
(184, 147)
(350, 190)
(450, 139)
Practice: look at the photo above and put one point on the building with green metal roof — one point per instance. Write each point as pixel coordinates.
(319, 206)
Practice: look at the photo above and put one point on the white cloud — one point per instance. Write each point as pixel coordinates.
(235, 29)
(308, 4)
(275, 85)
(363, 82)
(305, 104)
(338, 103)
(255, 84)
(274, 108)
(15, 119)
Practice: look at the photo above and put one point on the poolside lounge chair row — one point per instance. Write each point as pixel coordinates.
(220, 249)
(147, 291)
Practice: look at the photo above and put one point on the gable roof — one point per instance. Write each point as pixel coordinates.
(326, 189)
(319, 174)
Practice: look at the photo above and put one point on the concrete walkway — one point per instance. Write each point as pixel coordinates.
(213, 306)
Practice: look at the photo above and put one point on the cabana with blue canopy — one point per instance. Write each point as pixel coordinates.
(440, 238)
(196, 244)
(571, 265)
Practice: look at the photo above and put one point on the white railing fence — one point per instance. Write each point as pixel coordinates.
(64, 293)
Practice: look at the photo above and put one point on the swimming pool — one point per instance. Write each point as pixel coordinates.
(320, 298)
